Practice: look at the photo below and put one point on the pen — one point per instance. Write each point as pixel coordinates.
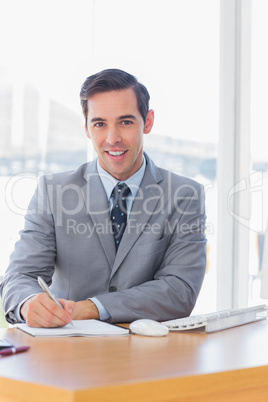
(13, 350)
(46, 289)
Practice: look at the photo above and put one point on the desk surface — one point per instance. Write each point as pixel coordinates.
(179, 367)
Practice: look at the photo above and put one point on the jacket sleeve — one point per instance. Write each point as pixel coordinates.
(34, 254)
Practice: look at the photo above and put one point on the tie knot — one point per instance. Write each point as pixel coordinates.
(121, 191)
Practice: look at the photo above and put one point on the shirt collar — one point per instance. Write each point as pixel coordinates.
(133, 181)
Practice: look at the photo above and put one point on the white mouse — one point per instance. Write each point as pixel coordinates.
(148, 327)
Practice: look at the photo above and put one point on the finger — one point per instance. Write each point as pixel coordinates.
(44, 318)
(44, 312)
(68, 305)
(56, 314)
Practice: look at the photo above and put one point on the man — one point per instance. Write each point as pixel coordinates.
(153, 268)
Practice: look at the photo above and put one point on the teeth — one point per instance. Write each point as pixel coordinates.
(117, 153)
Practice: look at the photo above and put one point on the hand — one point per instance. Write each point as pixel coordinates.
(81, 310)
(42, 311)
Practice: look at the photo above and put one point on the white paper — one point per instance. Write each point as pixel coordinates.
(79, 328)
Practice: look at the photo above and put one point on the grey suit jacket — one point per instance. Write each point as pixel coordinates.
(158, 269)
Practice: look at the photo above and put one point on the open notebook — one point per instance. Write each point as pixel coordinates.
(79, 328)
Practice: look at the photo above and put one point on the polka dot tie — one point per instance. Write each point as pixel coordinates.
(119, 211)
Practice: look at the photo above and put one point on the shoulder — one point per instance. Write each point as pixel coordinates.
(70, 177)
(177, 179)
(167, 178)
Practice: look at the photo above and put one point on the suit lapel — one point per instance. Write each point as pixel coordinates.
(98, 209)
(150, 193)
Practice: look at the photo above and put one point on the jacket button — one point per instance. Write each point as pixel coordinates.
(112, 289)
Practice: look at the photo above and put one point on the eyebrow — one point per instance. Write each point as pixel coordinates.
(126, 116)
(96, 119)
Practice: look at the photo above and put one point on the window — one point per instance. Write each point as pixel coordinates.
(173, 47)
(258, 151)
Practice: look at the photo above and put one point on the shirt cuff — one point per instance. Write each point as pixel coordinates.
(104, 314)
(16, 312)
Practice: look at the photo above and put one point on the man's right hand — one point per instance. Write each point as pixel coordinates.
(41, 311)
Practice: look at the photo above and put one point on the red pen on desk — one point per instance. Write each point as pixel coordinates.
(13, 350)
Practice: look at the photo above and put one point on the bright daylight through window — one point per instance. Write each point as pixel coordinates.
(259, 159)
(172, 47)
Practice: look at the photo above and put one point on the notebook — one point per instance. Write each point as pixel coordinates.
(79, 328)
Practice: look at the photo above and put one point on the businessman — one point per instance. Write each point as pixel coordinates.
(149, 264)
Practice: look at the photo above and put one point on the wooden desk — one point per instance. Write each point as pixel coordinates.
(230, 365)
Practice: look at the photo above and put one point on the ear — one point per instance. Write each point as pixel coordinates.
(149, 122)
(87, 132)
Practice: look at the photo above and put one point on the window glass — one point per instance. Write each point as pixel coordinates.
(259, 155)
(171, 46)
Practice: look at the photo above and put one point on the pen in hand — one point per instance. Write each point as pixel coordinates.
(46, 289)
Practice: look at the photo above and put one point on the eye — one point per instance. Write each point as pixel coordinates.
(99, 124)
(127, 122)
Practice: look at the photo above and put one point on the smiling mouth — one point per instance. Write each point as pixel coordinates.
(116, 153)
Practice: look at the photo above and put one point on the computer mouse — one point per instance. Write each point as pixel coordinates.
(148, 327)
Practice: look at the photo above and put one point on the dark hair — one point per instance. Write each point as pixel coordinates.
(114, 80)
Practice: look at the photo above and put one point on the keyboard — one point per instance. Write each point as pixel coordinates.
(219, 320)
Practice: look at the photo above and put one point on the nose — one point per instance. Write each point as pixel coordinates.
(113, 136)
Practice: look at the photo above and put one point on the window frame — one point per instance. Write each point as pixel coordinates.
(234, 154)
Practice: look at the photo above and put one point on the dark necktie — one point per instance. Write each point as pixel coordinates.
(119, 211)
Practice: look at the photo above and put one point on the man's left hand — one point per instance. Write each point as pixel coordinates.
(81, 310)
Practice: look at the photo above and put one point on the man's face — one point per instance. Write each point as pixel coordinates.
(116, 128)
